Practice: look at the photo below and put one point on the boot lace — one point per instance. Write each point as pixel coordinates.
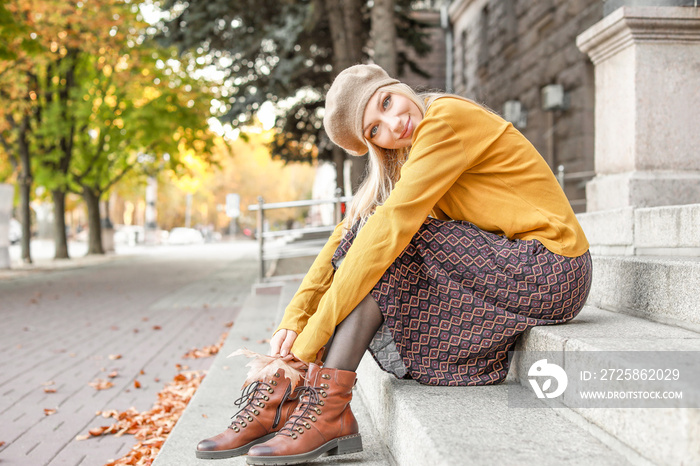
(254, 398)
(310, 398)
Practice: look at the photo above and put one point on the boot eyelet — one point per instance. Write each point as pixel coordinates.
(318, 410)
(277, 374)
(307, 425)
(313, 418)
(261, 404)
(270, 390)
(236, 429)
(294, 436)
(320, 402)
(250, 418)
(324, 385)
(300, 430)
(256, 412)
(266, 398)
(273, 382)
(323, 394)
(243, 423)
(325, 376)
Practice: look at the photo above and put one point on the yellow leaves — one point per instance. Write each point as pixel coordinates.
(107, 70)
(110, 100)
(152, 427)
(206, 351)
(101, 384)
(196, 171)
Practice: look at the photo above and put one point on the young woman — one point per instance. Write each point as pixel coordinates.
(458, 241)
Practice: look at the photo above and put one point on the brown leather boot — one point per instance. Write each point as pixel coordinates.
(321, 423)
(266, 404)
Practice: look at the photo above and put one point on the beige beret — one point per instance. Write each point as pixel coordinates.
(345, 105)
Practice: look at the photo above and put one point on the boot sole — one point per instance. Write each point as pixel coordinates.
(219, 454)
(337, 446)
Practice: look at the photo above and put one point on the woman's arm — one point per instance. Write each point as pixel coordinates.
(316, 281)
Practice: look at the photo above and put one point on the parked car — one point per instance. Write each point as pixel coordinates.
(183, 235)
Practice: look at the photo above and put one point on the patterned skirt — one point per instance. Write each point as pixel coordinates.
(456, 299)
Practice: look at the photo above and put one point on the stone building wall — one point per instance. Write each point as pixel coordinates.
(508, 50)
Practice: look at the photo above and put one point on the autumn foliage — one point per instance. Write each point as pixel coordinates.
(152, 427)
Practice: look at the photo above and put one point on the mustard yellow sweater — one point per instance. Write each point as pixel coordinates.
(466, 163)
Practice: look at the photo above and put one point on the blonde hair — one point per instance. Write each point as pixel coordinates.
(384, 165)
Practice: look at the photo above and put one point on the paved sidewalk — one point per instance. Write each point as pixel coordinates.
(60, 326)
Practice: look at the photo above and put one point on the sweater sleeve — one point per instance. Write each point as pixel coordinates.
(437, 159)
(316, 281)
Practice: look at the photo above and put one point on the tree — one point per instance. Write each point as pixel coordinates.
(136, 113)
(384, 35)
(278, 51)
(38, 90)
(99, 102)
(18, 109)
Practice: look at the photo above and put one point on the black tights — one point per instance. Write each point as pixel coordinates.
(353, 335)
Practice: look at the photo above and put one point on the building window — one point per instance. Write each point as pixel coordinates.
(463, 69)
(484, 37)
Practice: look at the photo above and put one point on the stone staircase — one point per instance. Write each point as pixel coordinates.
(644, 299)
(647, 302)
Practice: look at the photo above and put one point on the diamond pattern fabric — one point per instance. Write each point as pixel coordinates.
(456, 299)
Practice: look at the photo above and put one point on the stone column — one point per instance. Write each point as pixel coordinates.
(7, 192)
(647, 85)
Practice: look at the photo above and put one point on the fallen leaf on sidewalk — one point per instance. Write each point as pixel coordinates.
(115, 356)
(49, 411)
(49, 390)
(137, 384)
(113, 374)
(264, 340)
(82, 437)
(206, 351)
(157, 327)
(228, 324)
(97, 431)
(1, 444)
(151, 428)
(100, 384)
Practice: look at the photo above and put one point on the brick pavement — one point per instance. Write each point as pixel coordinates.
(61, 326)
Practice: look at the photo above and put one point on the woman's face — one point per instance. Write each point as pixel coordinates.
(390, 119)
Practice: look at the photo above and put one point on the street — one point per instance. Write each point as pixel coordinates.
(132, 315)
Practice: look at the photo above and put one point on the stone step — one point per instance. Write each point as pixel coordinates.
(474, 425)
(506, 424)
(664, 289)
(211, 407)
(668, 230)
(599, 340)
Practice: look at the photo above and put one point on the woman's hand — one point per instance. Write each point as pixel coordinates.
(281, 342)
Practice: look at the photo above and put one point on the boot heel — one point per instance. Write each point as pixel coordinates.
(346, 445)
